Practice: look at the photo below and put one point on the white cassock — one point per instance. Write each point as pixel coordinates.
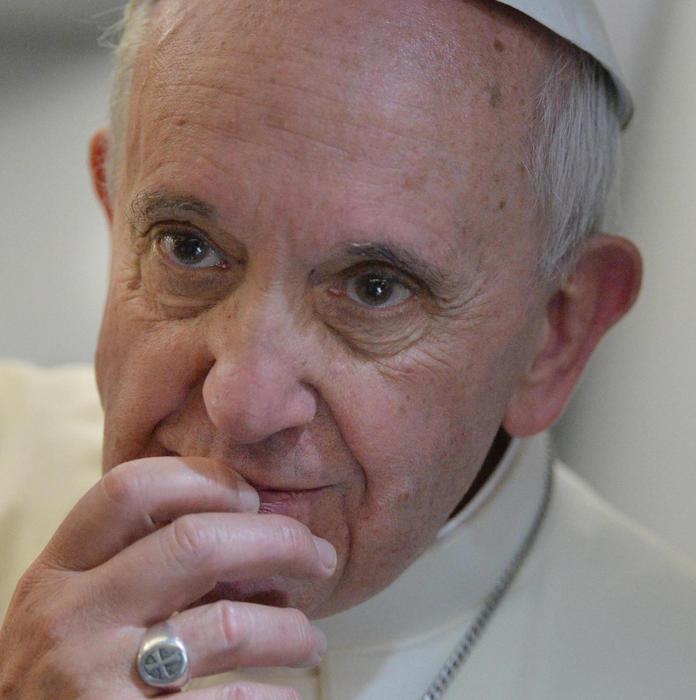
(600, 609)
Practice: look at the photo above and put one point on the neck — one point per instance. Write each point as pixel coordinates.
(500, 444)
(450, 580)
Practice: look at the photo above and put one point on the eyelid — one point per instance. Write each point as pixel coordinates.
(185, 229)
(180, 227)
(379, 267)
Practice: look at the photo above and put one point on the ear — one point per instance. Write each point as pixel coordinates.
(603, 286)
(98, 154)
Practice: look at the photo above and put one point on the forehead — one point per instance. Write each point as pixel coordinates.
(396, 101)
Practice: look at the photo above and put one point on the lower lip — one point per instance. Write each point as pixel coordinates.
(293, 503)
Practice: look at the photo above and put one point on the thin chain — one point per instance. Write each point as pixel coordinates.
(464, 646)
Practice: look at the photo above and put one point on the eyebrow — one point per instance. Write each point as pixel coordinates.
(149, 206)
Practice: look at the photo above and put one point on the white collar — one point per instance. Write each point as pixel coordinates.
(460, 567)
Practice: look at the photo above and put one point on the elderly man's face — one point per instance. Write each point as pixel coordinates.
(323, 262)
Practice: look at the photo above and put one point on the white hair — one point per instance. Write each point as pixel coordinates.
(573, 145)
(573, 153)
(126, 38)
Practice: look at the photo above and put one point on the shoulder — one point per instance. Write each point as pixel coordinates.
(619, 608)
(614, 540)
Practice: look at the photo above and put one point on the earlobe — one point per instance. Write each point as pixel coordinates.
(98, 154)
(602, 287)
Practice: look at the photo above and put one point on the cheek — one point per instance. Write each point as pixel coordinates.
(417, 460)
(145, 370)
(421, 430)
(411, 435)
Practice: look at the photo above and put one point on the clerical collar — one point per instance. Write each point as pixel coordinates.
(460, 567)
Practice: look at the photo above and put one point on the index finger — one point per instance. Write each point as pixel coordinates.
(136, 498)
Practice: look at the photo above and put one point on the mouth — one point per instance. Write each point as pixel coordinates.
(281, 499)
(296, 503)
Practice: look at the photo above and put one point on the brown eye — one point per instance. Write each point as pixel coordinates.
(377, 290)
(188, 250)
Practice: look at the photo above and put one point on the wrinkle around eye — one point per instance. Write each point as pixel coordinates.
(179, 309)
(384, 348)
(178, 290)
(370, 340)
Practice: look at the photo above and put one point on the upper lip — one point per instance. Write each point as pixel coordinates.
(259, 485)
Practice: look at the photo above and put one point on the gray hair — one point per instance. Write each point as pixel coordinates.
(573, 149)
(573, 153)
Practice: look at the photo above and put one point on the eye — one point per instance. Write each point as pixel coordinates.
(377, 290)
(187, 249)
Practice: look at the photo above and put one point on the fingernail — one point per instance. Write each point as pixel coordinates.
(319, 650)
(249, 499)
(327, 553)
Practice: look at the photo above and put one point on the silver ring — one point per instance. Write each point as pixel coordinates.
(163, 661)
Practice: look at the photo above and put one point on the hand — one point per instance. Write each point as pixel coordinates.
(148, 540)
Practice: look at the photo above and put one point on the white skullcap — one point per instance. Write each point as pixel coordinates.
(578, 21)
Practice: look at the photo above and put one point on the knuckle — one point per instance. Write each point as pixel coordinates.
(236, 692)
(294, 537)
(26, 586)
(245, 691)
(235, 624)
(123, 485)
(191, 543)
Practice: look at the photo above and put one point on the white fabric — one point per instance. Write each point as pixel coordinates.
(600, 610)
(579, 22)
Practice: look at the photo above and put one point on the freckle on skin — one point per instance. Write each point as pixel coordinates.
(275, 120)
(498, 45)
(496, 96)
(502, 205)
(414, 182)
(349, 62)
(404, 497)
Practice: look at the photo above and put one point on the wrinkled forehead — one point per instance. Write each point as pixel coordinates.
(427, 55)
(431, 100)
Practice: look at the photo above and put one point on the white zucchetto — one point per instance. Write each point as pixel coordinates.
(579, 22)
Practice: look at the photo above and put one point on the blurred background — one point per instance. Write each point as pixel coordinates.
(625, 431)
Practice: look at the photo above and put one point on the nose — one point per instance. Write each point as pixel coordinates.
(256, 386)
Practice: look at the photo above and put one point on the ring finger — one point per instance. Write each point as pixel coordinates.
(218, 638)
(227, 635)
